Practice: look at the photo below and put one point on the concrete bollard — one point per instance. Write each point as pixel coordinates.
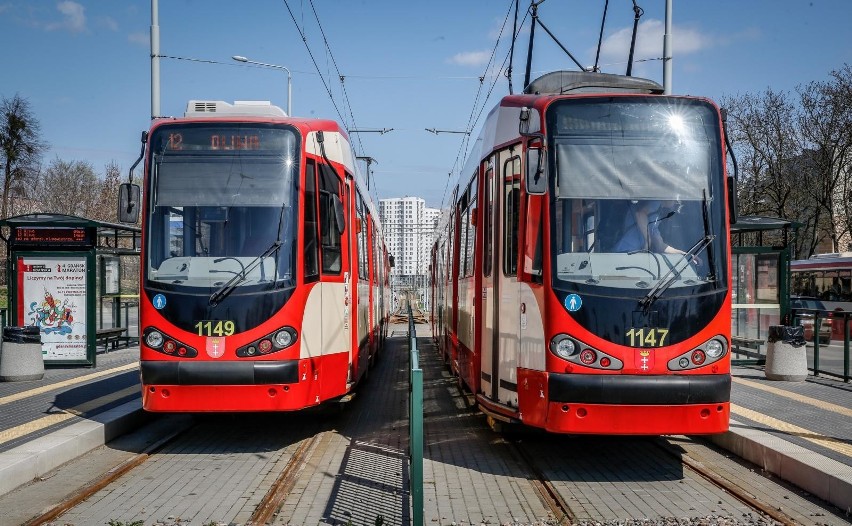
(20, 354)
(786, 357)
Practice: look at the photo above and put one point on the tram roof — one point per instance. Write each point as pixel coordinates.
(560, 82)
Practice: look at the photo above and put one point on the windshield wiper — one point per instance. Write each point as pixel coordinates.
(669, 277)
(223, 291)
(711, 262)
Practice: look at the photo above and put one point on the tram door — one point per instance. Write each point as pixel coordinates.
(501, 291)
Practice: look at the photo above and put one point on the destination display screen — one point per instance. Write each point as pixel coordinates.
(219, 138)
(52, 236)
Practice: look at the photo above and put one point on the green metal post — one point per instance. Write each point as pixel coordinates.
(415, 426)
(845, 346)
(817, 322)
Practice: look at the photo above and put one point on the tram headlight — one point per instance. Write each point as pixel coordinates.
(714, 349)
(154, 339)
(562, 346)
(284, 338)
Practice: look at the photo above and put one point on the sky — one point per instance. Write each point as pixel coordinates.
(85, 67)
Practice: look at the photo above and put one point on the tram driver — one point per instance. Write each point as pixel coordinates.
(641, 228)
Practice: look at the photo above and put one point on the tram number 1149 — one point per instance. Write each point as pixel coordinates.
(647, 337)
(215, 328)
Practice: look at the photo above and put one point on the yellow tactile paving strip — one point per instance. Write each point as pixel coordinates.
(66, 383)
(834, 444)
(63, 415)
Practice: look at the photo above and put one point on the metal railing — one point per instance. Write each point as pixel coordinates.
(415, 423)
(818, 316)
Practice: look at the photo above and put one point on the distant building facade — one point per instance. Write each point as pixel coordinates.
(409, 227)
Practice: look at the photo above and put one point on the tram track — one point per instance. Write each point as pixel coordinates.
(131, 472)
(282, 486)
(624, 481)
(734, 489)
(547, 492)
(101, 482)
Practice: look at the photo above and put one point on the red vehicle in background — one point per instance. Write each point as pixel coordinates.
(263, 267)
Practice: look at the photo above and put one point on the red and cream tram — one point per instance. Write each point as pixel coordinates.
(554, 300)
(264, 271)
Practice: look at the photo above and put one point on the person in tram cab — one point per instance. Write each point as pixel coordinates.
(641, 228)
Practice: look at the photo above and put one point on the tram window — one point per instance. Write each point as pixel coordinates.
(511, 196)
(329, 234)
(488, 220)
(471, 224)
(468, 230)
(362, 237)
(310, 226)
(533, 237)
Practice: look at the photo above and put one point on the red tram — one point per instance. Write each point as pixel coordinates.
(543, 309)
(264, 275)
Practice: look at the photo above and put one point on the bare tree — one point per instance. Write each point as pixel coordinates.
(21, 146)
(795, 158)
(826, 125)
(69, 187)
(105, 208)
(764, 132)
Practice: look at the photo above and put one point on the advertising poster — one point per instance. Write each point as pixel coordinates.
(53, 290)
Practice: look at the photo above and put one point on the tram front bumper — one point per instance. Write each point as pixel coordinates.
(639, 390)
(638, 405)
(220, 373)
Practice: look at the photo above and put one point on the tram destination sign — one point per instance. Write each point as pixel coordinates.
(53, 236)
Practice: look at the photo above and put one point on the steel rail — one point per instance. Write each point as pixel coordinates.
(284, 483)
(94, 486)
(547, 493)
(735, 490)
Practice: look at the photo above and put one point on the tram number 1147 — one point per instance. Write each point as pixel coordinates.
(647, 337)
(215, 328)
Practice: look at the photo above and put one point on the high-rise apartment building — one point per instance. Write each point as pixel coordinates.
(409, 227)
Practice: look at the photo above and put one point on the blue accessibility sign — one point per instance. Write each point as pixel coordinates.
(159, 301)
(573, 302)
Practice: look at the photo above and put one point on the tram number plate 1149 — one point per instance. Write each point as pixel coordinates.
(215, 328)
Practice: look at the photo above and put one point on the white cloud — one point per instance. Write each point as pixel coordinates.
(649, 42)
(470, 58)
(108, 22)
(74, 17)
(140, 38)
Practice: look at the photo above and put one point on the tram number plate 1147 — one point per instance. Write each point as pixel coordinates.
(647, 337)
(215, 328)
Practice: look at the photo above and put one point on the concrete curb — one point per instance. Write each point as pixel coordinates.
(818, 475)
(34, 459)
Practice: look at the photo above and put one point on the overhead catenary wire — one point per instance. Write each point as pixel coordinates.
(471, 123)
(313, 59)
(340, 75)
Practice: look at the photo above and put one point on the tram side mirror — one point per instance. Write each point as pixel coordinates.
(529, 122)
(536, 174)
(391, 261)
(128, 203)
(339, 217)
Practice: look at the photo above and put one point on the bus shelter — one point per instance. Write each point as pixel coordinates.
(64, 273)
(760, 262)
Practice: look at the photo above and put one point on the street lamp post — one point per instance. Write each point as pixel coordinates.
(239, 58)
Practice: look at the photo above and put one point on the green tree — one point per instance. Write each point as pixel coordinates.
(21, 146)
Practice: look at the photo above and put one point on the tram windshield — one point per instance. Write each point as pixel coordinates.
(638, 201)
(222, 207)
